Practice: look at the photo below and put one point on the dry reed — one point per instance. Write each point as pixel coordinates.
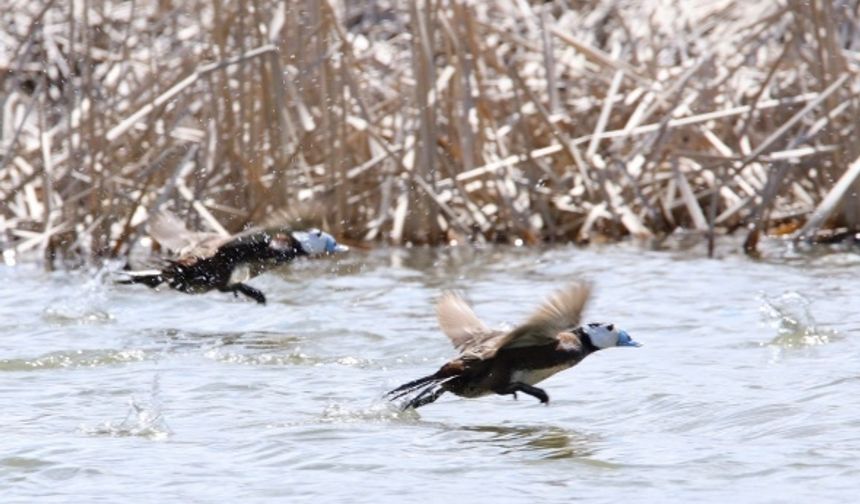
(427, 121)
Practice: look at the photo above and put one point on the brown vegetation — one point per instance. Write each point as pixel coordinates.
(427, 121)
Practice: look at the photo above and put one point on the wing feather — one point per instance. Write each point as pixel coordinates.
(168, 230)
(458, 321)
(474, 339)
(560, 312)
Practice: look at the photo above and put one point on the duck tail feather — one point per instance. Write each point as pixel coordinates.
(423, 391)
(412, 386)
(150, 278)
(427, 395)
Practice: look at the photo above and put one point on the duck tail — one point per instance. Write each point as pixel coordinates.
(150, 278)
(412, 386)
(430, 390)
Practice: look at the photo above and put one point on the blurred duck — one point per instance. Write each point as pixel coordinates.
(207, 261)
(507, 362)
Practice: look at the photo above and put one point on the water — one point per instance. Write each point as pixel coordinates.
(746, 388)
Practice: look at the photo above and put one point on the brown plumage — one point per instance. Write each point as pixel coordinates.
(507, 362)
(473, 338)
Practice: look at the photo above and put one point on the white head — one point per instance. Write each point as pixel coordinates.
(315, 242)
(608, 336)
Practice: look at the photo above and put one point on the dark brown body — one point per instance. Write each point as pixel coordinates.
(507, 362)
(504, 371)
(225, 266)
(194, 274)
(528, 365)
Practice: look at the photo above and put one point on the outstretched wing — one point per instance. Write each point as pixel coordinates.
(458, 321)
(467, 333)
(560, 312)
(171, 233)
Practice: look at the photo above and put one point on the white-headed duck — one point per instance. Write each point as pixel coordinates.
(507, 362)
(207, 261)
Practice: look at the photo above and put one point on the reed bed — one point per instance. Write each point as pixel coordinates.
(431, 121)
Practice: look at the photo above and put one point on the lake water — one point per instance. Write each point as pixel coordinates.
(747, 388)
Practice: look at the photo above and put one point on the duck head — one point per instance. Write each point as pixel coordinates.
(315, 242)
(607, 336)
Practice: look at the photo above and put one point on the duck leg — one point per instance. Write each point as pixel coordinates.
(247, 290)
(525, 388)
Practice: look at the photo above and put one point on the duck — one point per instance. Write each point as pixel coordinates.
(507, 362)
(209, 261)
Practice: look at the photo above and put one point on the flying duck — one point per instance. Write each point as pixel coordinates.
(207, 261)
(507, 362)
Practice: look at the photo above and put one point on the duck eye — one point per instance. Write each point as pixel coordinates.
(611, 327)
(318, 233)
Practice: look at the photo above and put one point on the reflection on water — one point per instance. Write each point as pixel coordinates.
(546, 441)
(742, 390)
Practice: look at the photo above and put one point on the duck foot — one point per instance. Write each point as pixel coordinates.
(525, 388)
(247, 290)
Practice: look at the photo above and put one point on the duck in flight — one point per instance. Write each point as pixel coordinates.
(207, 261)
(507, 362)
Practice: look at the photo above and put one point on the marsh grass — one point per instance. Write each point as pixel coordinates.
(427, 122)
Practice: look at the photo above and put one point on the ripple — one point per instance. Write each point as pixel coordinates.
(74, 359)
(178, 338)
(294, 358)
(25, 464)
(835, 383)
(756, 421)
(286, 399)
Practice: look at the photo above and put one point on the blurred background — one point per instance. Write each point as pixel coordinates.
(427, 122)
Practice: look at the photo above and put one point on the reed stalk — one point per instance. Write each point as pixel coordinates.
(433, 121)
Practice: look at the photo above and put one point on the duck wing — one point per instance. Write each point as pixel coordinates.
(484, 346)
(171, 233)
(459, 322)
(560, 312)
(469, 335)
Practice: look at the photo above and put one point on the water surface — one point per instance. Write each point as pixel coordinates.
(746, 389)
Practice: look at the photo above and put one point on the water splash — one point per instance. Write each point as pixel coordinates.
(295, 357)
(381, 411)
(72, 312)
(89, 307)
(144, 419)
(790, 315)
